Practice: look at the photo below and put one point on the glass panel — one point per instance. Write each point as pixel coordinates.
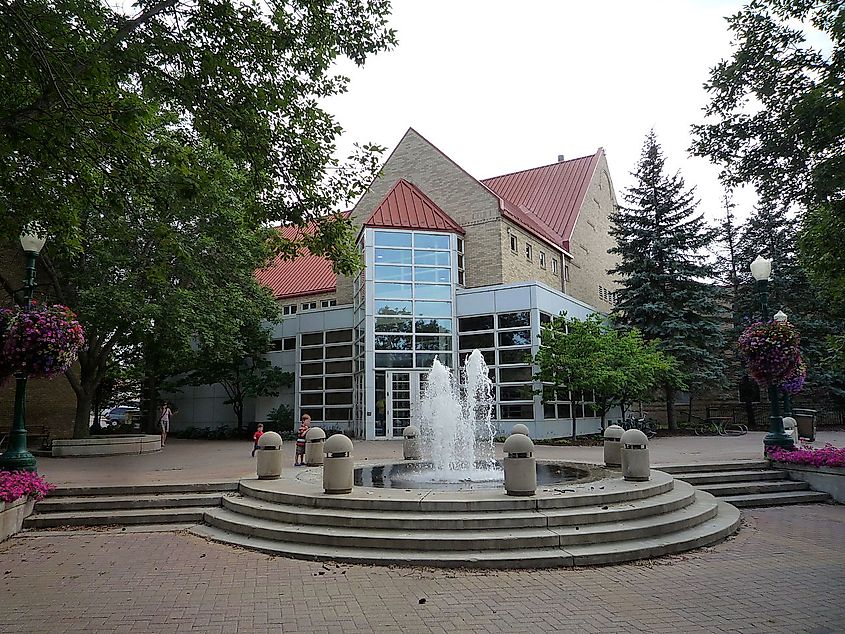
(433, 309)
(338, 352)
(393, 256)
(434, 343)
(468, 324)
(515, 320)
(310, 369)
(338, 336)
(432, 258)
(515, 338)
(311, 354)
(381, 403)
(516, 412)
(393, 324)
(338, 398)
(515, 393)
(432, 275)
(394, 360)
(393, 273)
(425, 359)
(338, 367)
(338, 382)
(430, 291)
(392, 289)
(515, 356)
(311, 398)
(316, 413)
(338, 413)
(545, 318)
(489, 359)
(549, 411)
(434, 325)
(431, 241)
(563, 410)
(312, 339)
(393, 238)
(289, 343)
(311, 384)
(513, 375)
(393, 307)
(468, 342)
(393, 342)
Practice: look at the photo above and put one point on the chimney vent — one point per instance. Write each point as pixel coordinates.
(560, 158)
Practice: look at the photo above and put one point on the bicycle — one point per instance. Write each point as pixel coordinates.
(721, 426)
(646, 425)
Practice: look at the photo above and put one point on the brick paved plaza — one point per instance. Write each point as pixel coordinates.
(783, 572)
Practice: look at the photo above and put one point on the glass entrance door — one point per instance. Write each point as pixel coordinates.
(402, 400)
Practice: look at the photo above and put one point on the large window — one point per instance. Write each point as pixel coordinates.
(325, 375)
(413, 298)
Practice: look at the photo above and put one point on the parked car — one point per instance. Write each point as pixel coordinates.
(120, 413)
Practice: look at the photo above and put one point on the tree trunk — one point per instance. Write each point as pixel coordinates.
(82, 418)
(238, 406)
(574, 434)
(670, 409)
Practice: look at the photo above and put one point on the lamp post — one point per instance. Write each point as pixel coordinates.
(781, 317)
(17, 457)
(761, 270)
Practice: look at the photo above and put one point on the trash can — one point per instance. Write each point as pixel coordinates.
(519, 428)
(790, 428)
(269, 463)
(613, 446)
(338, 467)
(806, 420)
(519, 465)
(314, 439)
(635, 461)
(411, 443)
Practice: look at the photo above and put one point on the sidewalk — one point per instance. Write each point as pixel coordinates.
(183, 461)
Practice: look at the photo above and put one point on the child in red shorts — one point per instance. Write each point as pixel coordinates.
(258, 433)
(299, 460)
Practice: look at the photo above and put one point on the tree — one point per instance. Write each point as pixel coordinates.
(590, 357)
(666, 290)
(776, 116)
(244, 371)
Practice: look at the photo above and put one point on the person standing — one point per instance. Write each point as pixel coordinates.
(164, 421)
(259, 432)
(299, 460)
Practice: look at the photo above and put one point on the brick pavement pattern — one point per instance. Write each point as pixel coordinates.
(783, 572)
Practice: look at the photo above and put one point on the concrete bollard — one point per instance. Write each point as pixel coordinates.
(613, 446)
(635, 461)
(314, 439)
(269, 463)
(790, 427)
(520, 465)
(338, 467)
(411, 443)
(519, 428)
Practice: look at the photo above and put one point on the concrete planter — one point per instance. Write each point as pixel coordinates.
(12, 515)
(828, 479)
(106, 445)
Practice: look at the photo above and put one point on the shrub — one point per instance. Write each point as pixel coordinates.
(17, 484)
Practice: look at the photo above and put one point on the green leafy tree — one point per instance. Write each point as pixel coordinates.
(590, 357)
(666, 288)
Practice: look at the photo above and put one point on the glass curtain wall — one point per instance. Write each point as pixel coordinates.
(325, 377)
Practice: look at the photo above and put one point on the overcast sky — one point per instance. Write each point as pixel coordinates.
(505, 86)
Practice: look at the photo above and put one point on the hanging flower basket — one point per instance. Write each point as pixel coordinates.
(771, 351)
(794, 383)
(41, 342)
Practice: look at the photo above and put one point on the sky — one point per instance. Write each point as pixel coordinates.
(506, 86)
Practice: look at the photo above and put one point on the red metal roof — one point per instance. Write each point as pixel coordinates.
(304, 275)
(406, 207)
(546, 200)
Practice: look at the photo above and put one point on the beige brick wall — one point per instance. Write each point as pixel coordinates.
(591, 241)
(457, 193)
(517, 268)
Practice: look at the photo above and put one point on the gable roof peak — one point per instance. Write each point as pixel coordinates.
(406, 207)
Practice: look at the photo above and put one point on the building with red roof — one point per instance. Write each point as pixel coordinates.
(452, 263)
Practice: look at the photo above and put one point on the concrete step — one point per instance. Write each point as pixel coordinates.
(680, 496)
(701, 510)
(120, 517)
(702, 467)
(776, 499)
(722, 524)
(757, 486)
(720, 477)
(115, 502)
(144, 489)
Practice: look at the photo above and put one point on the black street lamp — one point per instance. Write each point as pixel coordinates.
(17, 457)
(761, 270)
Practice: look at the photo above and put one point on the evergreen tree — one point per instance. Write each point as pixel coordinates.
(667, 288)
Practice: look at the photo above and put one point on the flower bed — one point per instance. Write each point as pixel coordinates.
(19, 484)
(827, 456)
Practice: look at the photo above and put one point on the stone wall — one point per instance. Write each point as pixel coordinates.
(516, 267)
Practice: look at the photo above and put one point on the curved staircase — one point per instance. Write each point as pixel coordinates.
(598, 522)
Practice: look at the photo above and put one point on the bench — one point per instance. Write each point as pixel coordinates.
(43, 435)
